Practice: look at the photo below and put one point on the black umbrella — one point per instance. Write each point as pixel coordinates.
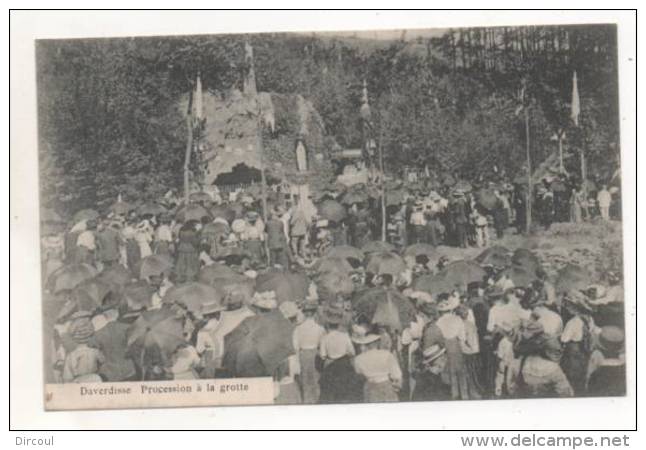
(257, 346)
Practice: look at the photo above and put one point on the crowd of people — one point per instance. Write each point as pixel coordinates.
(487, 336)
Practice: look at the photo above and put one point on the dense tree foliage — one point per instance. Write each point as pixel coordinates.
(109, 120)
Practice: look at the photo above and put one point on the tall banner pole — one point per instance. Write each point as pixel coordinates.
(383, 183)
(529, 172)
(189, 148)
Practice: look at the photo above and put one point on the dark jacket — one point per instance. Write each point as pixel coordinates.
(275, 234)
(107, 241)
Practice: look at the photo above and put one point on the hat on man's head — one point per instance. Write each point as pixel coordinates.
(428, 308)
(251, 216)
(360, 335)
(448, 304)
(265, 300)
(310, 305)
(288, 309)
(495, 292)
(211, 308)
(333, 315)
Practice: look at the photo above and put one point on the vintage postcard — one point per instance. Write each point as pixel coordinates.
(331, 217)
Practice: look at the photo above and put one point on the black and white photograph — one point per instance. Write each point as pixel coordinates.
(331, 217)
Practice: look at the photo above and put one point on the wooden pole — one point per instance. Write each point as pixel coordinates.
(529, 173)
(584, 183)
(263, 180)
(383, 184)
(561, 151)
(189, 147)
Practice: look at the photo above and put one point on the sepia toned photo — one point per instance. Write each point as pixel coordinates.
(331, 217)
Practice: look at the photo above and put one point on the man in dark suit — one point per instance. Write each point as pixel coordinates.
(277, 241)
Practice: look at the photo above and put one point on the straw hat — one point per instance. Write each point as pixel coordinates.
(495, 292)
(265, 300)
(211, 308)
(448, 304)
(310, 305)
(361, 336)
(289, 309)
(238, 226)
(236, 298)
(334, 315)
(419, 296)
(433, 352)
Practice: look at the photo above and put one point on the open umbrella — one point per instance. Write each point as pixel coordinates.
(434, 285)
(257, 346)
(158, 329)
(344, 251)
(331, 284)
(288, 286)
(121, 208)
(116, 276)
(494, 256)
(332, 210)
(70, 276)
(76, 301)
(192, 212)
(215, 271)
(223, 212)
(137, 295)
(385, 263)
(377, 247)
(521, 276)
(151, 209)
(215, 229)
(461, 273)
(154, 265)
(333, 264)
(572, 277)
(85, 214)
(192, 296)
(418, 249)
(384, 307)
(97, 289)
(523, 257)
(231, 256)
(237, 282)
